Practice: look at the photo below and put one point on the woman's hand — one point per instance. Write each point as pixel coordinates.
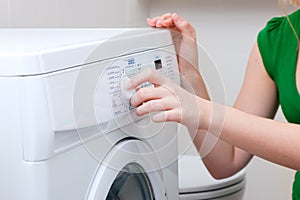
(169, 101)
(184, 38)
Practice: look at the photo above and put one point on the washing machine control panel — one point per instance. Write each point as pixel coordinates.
(120, 70)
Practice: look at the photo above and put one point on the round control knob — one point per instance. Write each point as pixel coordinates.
(125, 92)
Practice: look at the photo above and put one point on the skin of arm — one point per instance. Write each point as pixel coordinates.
(248, 129)
(258, 96)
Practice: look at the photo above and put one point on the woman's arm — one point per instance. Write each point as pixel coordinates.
(272, 140)
(243, 129)
(258, 96)
(246, 130)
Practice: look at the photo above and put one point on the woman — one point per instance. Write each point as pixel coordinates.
(272, 78)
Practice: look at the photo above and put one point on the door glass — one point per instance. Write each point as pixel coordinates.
(131, 183)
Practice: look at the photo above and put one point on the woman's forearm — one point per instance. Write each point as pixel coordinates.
(220, 158)
(259, 136)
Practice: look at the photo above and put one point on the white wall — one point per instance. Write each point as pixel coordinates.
(228, 29)
(73, 13)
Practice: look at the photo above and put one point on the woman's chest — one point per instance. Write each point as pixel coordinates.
(288, 84)
(297, 74)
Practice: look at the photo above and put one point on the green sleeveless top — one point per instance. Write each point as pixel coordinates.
(278, 47)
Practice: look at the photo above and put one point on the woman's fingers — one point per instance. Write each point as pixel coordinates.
(161, 98)
(174, 20)
(164, 110)
(157, 105)
(161, 21)
(147, 75)
(146, 94)
(166, 21)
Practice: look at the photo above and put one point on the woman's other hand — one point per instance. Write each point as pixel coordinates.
(184, 38)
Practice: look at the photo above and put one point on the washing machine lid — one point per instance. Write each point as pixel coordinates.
(194, 177)
(37, 51)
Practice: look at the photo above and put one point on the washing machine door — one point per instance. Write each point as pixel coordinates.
(129, 171)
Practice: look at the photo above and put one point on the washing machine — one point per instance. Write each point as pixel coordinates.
(68, 130)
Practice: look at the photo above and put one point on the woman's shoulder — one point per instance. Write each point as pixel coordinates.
(279, 28)
(268, 40)
(282, 23)
(274, 23)
(278, 32)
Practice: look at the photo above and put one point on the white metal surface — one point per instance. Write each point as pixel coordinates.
(36, 51)
(57, 121)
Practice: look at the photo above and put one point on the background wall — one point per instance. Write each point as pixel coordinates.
(227, 29)
(73, 13)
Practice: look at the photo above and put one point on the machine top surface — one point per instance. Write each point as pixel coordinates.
(38, 51)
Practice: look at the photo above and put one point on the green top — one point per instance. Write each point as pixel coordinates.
(278, 47)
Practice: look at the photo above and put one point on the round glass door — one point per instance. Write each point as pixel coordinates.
(123, 175)
(131, 183)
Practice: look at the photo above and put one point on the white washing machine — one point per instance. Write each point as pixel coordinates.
(195, 182)
(68, 130)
